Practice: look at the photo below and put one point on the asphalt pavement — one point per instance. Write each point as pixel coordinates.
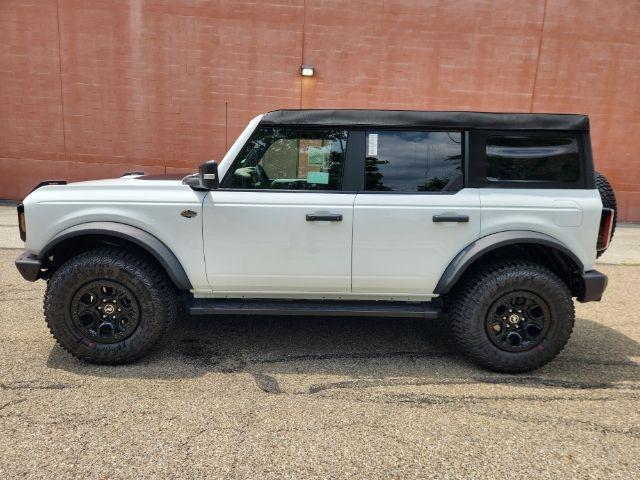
(265, 397)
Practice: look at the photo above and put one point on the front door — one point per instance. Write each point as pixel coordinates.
(279, 224)
(414, 215)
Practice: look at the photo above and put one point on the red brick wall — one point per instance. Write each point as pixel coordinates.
(93, 88)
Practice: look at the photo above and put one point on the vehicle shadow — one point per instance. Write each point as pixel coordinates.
(364, 351)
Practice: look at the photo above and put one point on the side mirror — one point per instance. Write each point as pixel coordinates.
(209, 175)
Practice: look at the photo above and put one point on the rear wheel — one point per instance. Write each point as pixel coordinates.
(512, 317)
(109, 306)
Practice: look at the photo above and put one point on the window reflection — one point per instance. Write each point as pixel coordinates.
(410, 161)
(291, 158)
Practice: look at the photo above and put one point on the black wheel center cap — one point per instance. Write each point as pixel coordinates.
(109, 309)
(514, 319)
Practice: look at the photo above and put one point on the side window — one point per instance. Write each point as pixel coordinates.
(290, 158)
(411, 161)
(532, 159)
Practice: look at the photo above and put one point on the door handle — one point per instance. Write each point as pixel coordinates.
(324, 217)
(451, 218)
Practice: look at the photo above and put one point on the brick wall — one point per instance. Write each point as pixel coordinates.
(93, 88)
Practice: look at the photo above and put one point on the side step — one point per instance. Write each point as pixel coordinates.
(316, 308)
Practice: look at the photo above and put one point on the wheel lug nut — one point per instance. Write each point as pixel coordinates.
(104, 316)
(119, 309)
(104, 300)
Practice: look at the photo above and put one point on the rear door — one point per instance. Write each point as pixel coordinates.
(281, 223)
(414, 214)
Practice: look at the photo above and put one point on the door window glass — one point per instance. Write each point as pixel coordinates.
(291, 158)
(411, 161)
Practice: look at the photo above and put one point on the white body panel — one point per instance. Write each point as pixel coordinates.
(397, 247)
(151, 205)
(570, 216)
(260, 242)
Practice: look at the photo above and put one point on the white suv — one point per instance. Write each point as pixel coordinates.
(492, 221)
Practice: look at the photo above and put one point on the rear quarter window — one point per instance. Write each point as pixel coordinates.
(522, 158)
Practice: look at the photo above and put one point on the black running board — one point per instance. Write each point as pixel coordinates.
(316, 308)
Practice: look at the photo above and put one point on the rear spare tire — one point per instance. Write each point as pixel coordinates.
(608, 197)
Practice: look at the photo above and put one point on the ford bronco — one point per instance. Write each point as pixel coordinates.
(490, 221)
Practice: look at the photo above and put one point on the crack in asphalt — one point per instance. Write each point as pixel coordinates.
(20, 299)
(632, 432)
(595, 361)
(208, 355)
(242, 435)
(230, 362)
(12, 402)
(457, 403)
(33, 385)
(436, 399)
(525, 381)
(351, 356)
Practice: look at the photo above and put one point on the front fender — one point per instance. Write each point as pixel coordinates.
(137, 236)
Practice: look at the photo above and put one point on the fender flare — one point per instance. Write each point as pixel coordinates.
(137, 236)
(483, 245)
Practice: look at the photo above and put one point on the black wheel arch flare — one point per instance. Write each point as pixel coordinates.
(151, 244)
(476, 250)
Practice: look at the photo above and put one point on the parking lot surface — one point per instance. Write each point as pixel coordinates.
(264, 397)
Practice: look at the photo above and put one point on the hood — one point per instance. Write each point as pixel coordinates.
(133, 180)
(134, 188)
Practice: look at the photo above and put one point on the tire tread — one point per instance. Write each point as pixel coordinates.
(476, 289)
(155, 280)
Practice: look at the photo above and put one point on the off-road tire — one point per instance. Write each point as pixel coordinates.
(608, 197)
(471, 301)
(154, 293)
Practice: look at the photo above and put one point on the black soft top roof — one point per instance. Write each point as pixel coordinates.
(414, 118)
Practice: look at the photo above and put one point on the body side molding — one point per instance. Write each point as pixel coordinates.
(135, 235)
(483, 245)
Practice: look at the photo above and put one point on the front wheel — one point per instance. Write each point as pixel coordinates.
(109, 306)
(512, 317)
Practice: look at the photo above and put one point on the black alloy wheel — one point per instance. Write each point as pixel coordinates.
(518, 321)
(105, 311)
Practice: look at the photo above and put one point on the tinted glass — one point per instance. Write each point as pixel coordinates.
(291, 158)
(532, 159)
(408, 161)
